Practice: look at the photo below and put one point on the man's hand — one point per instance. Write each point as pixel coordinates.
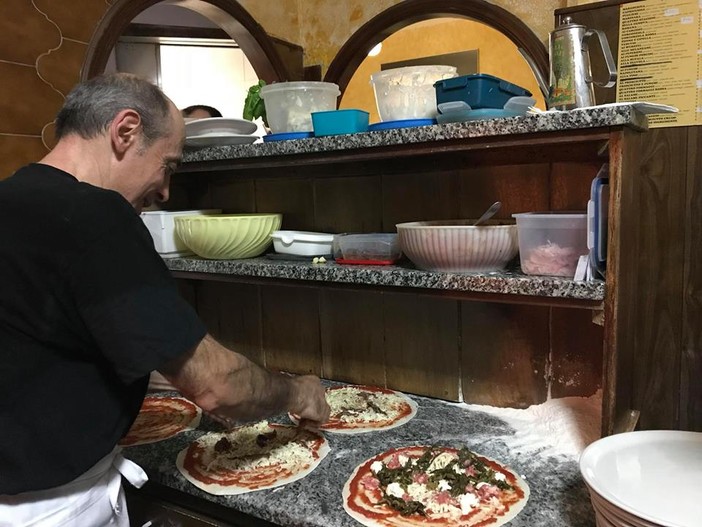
(308, 401)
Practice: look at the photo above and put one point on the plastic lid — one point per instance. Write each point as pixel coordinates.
(400, 123)
(409, 70)
(300, 85)
(550, 214)
(285, 136)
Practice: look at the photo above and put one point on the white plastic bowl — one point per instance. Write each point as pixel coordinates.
(458, 246)
(161, 225)
(289, 105)
(408, 93)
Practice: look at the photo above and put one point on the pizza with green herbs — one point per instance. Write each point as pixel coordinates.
(441, 486)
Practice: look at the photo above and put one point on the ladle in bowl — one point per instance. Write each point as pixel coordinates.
(488, 213)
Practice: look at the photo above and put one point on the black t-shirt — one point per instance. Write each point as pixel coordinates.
(87, 310)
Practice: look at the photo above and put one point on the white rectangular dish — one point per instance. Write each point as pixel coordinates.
(162, 229)
(302, 243)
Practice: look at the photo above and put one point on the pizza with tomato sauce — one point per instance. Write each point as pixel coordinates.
(358, 409)
(162, 417)
(251, 457)
(445, 487)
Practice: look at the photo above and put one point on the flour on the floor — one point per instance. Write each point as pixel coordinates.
(559, 426)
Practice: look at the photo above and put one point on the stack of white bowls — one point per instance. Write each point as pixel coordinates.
(645, 479)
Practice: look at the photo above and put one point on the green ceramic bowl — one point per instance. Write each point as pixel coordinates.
(227, 236)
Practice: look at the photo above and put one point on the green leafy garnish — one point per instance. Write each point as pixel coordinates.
(254, 106)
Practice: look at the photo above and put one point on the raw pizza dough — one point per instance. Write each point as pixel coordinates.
(162, 417)
(252, 457)
(359, 409)
(433, 486)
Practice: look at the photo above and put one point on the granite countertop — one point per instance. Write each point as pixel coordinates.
(558, 494)
(593, 117)
(502, 282)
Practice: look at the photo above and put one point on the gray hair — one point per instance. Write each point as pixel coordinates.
(92, 105)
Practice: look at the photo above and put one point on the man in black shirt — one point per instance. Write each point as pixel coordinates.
(88, 309)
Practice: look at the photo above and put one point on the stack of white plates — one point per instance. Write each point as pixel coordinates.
(645, 479)
(218, 131)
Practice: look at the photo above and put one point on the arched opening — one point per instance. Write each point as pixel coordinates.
(230, 16)
(409, 12)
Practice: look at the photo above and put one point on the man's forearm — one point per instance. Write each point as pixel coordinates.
(229, 385)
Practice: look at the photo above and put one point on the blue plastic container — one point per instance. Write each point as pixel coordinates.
(478, 91)
(337, 122)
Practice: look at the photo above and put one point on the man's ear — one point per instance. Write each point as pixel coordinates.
(125, 131)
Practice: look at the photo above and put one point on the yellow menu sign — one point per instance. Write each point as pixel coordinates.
(659, 59)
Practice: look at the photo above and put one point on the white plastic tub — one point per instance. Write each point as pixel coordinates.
(162, 229)
(408, 93)
(302, 243)
(289, 105)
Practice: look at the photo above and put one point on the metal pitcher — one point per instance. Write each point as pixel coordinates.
(570, 80)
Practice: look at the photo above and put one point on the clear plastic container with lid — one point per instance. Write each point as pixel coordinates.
(289, 105)
(550, 243)
(408, 93)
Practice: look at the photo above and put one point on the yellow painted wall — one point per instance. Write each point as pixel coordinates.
(497, 55)
(43, 45)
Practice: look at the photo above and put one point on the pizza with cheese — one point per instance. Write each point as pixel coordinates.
(162, 417)
(358, 409)
(251, 457)
(445, 487)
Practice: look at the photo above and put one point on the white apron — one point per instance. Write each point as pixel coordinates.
(95, 499)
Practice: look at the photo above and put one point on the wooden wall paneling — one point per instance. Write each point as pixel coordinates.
(644, 287)
(576, 353)
(290, 325)
(691, 365)
(352, 204)
(291, 197)
(207, 295)
(352, 336)
(570, 185)
(418, 197)
(240, 319)
(236, 196)
(521, 188)
(422, 345)
(504, 352)
(187, 192)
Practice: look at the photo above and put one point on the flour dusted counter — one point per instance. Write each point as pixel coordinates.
(506, 339)
(558, 495)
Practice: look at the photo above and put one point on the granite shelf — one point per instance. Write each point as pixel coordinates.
(450, 135)
(510, 282)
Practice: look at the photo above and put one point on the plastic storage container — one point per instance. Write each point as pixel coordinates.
(550, 243)
(289, 105)
(161, 225)
(366, 249)
(302, 243)
(335, 122)
(477, 91)
(408, 93)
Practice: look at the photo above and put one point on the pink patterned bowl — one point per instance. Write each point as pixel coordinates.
(458, 246)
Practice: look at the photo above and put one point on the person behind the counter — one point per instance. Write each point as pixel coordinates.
(88, 309)
(200, 111)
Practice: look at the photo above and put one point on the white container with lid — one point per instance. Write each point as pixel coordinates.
(302, 243)
(162, 229)
(289, 105)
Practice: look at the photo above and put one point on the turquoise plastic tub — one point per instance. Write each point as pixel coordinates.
(478, 91)
(337, 122)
